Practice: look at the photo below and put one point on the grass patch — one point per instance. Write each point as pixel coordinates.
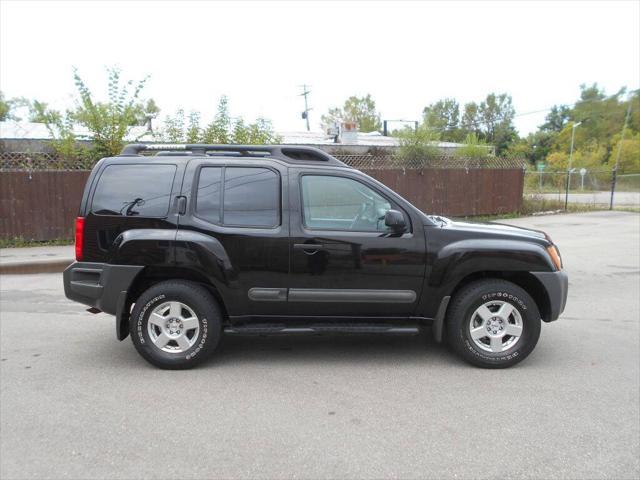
(538, 204)
(627, 209)
(20, 242)
(535, 204)
(487, 218)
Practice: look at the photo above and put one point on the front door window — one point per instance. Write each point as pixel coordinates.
(339, 203)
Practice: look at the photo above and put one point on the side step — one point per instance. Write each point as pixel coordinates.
(319, 328)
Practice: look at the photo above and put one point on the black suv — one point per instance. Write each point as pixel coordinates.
(198, 240)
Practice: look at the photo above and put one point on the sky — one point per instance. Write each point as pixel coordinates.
(405, 54)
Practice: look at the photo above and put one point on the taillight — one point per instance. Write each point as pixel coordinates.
(79, 237)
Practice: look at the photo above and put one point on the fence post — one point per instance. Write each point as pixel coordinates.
(566, 192)
(614, 177)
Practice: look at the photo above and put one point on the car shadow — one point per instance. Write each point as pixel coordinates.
(331, 349)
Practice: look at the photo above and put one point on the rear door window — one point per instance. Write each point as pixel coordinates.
(251, 197)
(209, 194)
(239, 196)
(134, 190)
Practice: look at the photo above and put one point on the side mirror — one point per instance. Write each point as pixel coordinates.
(395, 220)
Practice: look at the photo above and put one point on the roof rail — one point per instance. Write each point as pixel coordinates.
(289, 153)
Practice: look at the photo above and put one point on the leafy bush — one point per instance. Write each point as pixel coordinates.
(418, 145)
(473, 147)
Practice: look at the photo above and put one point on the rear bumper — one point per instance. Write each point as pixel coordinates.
(99, 285)
(557, 286)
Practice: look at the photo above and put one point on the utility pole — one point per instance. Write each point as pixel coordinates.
(614, 175)
(305, 114)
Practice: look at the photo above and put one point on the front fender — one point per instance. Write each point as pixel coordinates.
(462, 258)
(459, 259)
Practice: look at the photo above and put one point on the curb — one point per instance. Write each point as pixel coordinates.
(35, 266)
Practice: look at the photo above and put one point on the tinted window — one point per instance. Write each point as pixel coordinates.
(141, 190)
(338, 203)
(209, 194)
(251, 197)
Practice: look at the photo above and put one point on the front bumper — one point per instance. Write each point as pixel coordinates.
(556, 285)
(99, 285)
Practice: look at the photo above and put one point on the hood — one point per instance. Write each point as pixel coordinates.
(492, 230)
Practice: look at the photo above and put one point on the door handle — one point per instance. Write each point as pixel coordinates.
(308, 248)
(182, 204)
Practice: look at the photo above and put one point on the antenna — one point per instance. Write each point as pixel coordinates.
(305, 114)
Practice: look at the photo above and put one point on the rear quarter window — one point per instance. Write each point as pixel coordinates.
(134, 190)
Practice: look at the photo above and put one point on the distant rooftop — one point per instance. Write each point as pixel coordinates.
(373, 139)
(12, 130)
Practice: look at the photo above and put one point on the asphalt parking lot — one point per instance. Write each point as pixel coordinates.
(75, 403)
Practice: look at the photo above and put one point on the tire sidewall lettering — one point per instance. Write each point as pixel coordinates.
(143, 312)
(505, 297)
(203, 339)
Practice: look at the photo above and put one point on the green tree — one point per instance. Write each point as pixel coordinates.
(218, 131)
(629, 154)
(444, 116)
(173, 130)
(261, 132)
(109, 122)
(221, 130)
(39, 112)
(556, 119)
(194, 132)
(5, 108)
(361, 110)
(534, 147)
(496, 114)
(597, 138)
(470, 122)
(8, 107)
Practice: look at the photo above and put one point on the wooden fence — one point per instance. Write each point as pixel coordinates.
(42, 205)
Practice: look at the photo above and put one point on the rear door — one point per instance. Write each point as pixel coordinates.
(237, 203)
(344, 260)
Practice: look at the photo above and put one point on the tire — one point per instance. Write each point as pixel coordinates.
(175, 324)
(500, 336)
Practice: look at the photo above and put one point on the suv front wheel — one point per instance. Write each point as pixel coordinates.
(175, 324)
(493, 323)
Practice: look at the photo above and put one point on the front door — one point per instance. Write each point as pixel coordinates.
(344, 260)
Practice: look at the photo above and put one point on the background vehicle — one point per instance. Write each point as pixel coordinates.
(185, 245)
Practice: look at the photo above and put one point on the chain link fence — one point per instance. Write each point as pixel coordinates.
(35, 161)
(394, 162)
(28, 161)
(585, 187)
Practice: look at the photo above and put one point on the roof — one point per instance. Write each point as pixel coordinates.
(298, 154)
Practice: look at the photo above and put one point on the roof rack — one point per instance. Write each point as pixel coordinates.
(288, 153)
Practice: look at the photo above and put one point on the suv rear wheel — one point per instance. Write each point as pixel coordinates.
(175, 324)
(493, 323)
